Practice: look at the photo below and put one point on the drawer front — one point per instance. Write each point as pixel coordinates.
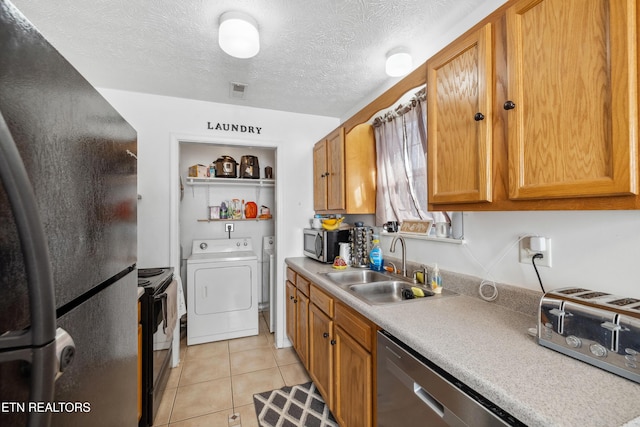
(360, 329)
(323, 301)
(291, 275)
(302, 284)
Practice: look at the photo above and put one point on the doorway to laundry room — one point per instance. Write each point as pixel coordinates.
(228, 192)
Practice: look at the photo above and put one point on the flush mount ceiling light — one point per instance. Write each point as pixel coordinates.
(398, 63)
(238, 35)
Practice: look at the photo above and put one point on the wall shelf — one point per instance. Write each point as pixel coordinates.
(232, 181)
(234, 220)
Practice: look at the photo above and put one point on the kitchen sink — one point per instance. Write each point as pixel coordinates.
(383, 292)
(357, 276)
(378, 288)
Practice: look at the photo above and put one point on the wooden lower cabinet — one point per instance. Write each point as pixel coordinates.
(291, 296)
(321, 352)
(353, 381)
(337, 346)
(302, 331)
(297, 312)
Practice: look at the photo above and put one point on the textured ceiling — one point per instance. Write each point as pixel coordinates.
(316, 57)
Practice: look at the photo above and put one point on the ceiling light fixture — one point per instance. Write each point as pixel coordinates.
(238, 35)
(398, 63)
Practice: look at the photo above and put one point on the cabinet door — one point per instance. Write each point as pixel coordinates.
(459, 117)
(335, 183)
(572, 122)
(360, 170)
(302, 323)
(320, 174)
(291, 313)
(321, 352)
(353, 382)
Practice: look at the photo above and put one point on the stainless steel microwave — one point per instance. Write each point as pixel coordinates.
(323, 245)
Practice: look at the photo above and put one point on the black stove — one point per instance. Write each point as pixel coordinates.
(154, 279)
(156, 344)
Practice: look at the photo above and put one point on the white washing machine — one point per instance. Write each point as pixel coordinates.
(222, 290)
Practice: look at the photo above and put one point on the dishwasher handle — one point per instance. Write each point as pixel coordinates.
(429, 400)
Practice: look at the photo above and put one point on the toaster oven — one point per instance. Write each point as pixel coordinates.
(595, 327)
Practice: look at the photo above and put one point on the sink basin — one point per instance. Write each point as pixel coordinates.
(383, 292)
(357, 276)
(378, 288)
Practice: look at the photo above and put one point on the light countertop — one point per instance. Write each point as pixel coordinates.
(486, 346)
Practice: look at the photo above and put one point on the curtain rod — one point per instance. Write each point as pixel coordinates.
(401, 109)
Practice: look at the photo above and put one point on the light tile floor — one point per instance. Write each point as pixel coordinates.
(215, 382)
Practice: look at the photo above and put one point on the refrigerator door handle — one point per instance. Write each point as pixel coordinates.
(33, 242)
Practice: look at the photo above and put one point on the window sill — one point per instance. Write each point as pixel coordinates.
(413, 236)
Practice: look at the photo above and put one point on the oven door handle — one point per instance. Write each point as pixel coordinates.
(163, 298)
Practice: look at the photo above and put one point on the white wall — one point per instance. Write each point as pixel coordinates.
(161, 121)
(156, 118)
(593, 249)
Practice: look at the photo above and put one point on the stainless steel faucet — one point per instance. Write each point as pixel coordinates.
(392, 249)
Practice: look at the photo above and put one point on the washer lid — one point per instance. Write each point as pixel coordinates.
(222, 257)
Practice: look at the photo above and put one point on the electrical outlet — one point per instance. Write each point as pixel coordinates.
(228, 226)
(526, 254)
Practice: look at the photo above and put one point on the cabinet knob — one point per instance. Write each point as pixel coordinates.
(291, 297)
(325, 335)
(509, 105)
(295, 301)
(333, 342)
(478, 117)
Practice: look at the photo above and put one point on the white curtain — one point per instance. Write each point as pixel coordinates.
(401, 145)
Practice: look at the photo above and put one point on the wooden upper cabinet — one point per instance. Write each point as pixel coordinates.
(335, 180)
(572, 124)
(360, 170)
(328, 172)
(344, 172)
(319, 176)
(459, 116)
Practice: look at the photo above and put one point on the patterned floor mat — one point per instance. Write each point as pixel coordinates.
(297, 406)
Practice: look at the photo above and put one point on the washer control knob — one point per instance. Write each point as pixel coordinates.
(598, 350)
(245, 243)
(573, 341)
(238, 244)
(203, 246)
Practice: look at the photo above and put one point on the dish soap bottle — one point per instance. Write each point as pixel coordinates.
(436, 280)
(375, 256)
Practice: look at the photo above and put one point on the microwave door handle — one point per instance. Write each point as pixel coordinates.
(41, 335)
(318, 244)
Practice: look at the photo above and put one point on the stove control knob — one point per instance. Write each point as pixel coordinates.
(598, 350)
(203, 246)
(573, 341)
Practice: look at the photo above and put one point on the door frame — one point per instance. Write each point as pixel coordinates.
(174, 212)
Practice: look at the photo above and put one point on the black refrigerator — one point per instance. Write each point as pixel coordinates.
(68, 278)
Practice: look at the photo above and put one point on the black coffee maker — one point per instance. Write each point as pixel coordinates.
(249, 167)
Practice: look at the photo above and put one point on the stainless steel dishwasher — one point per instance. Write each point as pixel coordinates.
(412, 391)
